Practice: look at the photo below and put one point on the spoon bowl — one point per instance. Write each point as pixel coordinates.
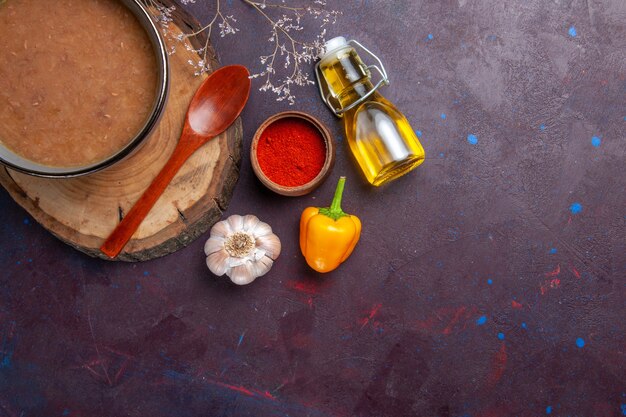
(214, 107)
(222, 96)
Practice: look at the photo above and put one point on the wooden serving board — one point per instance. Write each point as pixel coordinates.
(83, 211)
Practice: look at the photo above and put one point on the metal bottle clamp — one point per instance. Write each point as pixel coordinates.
(381, 70)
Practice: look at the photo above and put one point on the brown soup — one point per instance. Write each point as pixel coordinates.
(78, 79)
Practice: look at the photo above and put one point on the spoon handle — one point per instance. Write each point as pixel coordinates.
(116, 241)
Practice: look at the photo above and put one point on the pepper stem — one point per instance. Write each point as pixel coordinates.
(334, 211)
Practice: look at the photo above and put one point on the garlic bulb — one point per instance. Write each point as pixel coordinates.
(242, 247)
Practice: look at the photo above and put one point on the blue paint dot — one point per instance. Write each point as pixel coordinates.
(443, 116)
(524, 326)
(430, 36)
(472, 139)
(489, 281)
(576, 208)
(26, 221)
(492, 37)
(66, 412)
(146, 273)
(572, 31)
(552, 251)
(481, 320)
(542, 127)
(596, 141)
(418, 133)
(441, 155)
(623, 406)
(501, 336)
(580, 342)
(549, 409)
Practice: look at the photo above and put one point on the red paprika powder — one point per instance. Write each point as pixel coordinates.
(291, 152)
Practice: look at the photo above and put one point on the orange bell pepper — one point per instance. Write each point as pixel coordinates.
(328, 235)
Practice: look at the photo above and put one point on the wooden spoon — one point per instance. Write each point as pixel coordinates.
(215, 106)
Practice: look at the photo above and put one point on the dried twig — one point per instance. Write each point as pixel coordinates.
(284, 21)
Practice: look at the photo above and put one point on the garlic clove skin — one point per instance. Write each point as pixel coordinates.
(218, 262)
(241, 247)
(262, 229)
(243, 274)
(214, 244)
(250, 221)
(263, 266)
(270, 244)
(221, 229)
(235, 222)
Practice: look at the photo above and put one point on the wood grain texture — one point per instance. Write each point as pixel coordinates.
(83, 211)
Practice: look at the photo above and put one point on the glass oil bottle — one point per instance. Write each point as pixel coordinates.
(380, 137)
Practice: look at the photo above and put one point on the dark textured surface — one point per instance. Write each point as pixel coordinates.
(489, 282)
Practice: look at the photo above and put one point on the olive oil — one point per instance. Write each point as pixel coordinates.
(380, 137)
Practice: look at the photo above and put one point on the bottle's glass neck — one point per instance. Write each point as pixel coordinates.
(355, 92)
(347, 79)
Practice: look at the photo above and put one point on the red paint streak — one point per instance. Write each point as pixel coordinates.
(117, 352)
(375, 310)
(455, 319)
(121, 371)
(372, 313)
(100, 377)
(498, 366)
(269, 396)
(93, 363)
(516, 305)
(447, 320)
(107, 362)
(236, 388)
(468, 317)
(425, 324)
(575, 272)
(553, 283)
(244, 390)
(554, 273)
(305, 287)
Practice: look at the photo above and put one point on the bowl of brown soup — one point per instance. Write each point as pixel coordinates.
(82, 83)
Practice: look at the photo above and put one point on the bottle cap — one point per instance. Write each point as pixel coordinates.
(334, 44)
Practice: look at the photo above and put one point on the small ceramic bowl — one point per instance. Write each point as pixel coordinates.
(315, 182)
